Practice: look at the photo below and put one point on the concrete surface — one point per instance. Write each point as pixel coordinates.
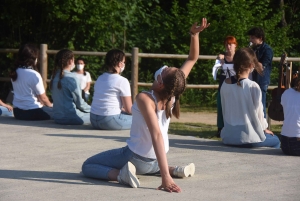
(42, 161)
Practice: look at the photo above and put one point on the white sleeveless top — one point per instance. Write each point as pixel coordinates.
(140, 141)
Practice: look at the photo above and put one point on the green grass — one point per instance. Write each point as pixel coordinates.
(197, 108)
(204, 130)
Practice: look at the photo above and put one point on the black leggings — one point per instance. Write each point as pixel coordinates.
(30, 115)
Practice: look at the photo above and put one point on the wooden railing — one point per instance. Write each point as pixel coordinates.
(135, 55)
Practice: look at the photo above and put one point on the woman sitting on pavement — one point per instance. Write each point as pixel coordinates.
(244, 122)
(69, 106)
(290, 133)
(146, 149)
(30, 101)
(84, 78)
(111, 106)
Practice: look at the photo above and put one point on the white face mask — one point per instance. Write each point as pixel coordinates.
(122, 69)
(80, 66)
(158, 72)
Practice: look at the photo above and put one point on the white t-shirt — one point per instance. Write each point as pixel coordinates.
(28, 85)
(84, 79)
(140, 141)
(243, 115)
(108, 90)
(290, 101)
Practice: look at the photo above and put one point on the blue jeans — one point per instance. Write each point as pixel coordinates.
(264, 90)
(5, 112)
(290, 145)
(113, 122)
(270, 141)
(100, 164)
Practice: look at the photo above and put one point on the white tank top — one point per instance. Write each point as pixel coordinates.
(140, 141)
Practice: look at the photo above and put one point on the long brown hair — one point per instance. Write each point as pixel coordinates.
(242, 60)
(27, 56)
(174, 85)
(61, 61)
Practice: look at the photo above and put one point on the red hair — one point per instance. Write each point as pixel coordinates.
(230, 40)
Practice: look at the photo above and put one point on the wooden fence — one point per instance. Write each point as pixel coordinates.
(135, 55)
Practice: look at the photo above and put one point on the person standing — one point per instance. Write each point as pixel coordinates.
(84, 78)
(227, 71)
(264, 54)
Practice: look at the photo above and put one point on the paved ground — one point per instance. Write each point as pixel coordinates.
(42, 161)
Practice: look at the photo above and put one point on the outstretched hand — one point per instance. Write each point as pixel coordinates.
(197, 29)
(169, 185)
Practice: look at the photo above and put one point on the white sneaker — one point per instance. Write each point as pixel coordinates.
(185, 171)
(127, 175)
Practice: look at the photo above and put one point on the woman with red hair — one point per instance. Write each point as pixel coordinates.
(227, 71)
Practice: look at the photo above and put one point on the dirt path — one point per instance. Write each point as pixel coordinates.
(204, 117)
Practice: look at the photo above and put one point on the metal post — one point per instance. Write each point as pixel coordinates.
(44, 63)
(134, 72)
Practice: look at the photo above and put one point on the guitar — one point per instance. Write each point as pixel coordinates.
(275, 110)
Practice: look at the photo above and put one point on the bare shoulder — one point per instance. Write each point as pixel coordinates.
(145, 98)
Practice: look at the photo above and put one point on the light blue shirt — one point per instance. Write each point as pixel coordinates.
(68, 105)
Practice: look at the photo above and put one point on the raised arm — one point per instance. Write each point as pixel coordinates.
(194, 46)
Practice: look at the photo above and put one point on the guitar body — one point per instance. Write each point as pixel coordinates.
(275, 110)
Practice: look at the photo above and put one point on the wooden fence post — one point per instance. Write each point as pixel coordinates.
(44, 63)
(134, 72)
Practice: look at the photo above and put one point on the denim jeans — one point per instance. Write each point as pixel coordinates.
(270, 141)
(100, 164)
(113, 122)
(264, 90)
(290, 145)
(5, 112)
(44, 113)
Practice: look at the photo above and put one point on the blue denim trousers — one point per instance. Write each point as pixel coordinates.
(270, 141)
(100, 164)
(290, 145)
(5, 112)
(113, 122)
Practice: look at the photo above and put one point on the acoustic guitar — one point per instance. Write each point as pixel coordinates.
(275, 110)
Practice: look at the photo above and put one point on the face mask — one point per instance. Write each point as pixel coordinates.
(122, 69)
(158, 72)
(80, 66)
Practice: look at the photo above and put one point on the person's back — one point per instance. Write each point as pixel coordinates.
(244, 122)
(69, 106)
(290, 133)
(111, 106)
(243, 117)
(108, 90)
(25, 88)
(65, 99)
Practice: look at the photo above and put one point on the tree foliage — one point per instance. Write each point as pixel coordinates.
(154, 26)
